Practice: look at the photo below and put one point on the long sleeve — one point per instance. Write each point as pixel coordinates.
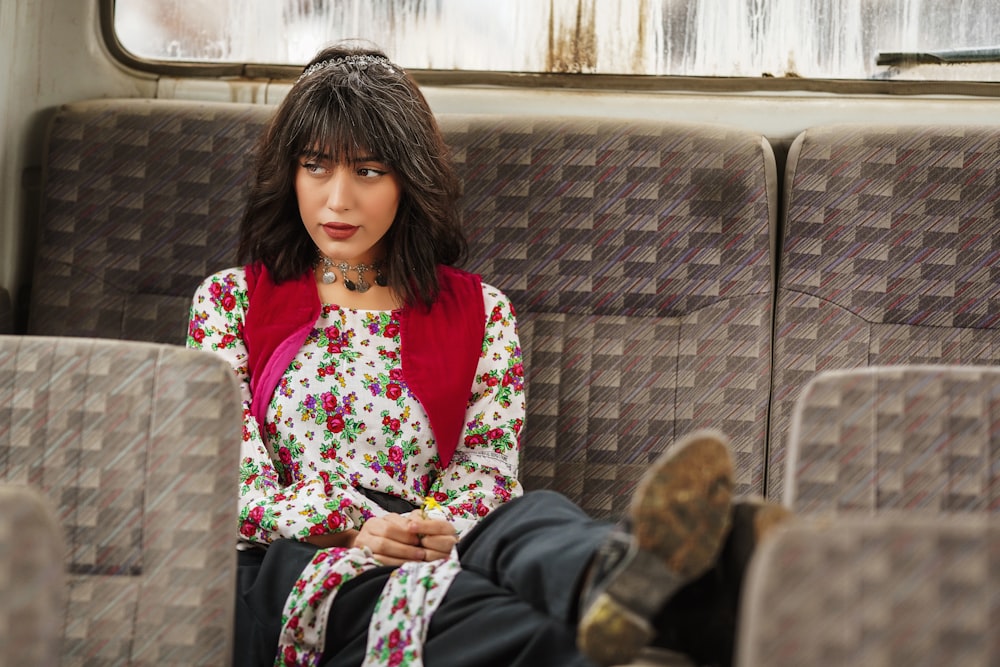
(483, 472)
(273, 502)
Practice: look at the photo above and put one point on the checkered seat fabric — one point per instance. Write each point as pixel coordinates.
(136, 447)
(31, 578)
(877, 591)
(913, 438)
(141, 201)
(637, 254)
(889, 256)
(638, 257)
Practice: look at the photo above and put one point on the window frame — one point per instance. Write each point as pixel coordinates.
(543, 80)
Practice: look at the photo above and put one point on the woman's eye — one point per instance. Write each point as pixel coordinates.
(370, 172)
(312, 167)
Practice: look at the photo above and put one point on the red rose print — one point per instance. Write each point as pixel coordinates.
(496, 315)
(316, 529)
(256, 514)
(474, 439)
(332, 581)
(518, 369)
(391, 330)
(248, 529)
(495, 433)
(227, 340)
(198, 335)
(440, 496)
(284, 455)
(329, 401)
(396, 374)
(395, 453)
(334, 520)
(395, 658)
(335, 423)
(228, 302)
(482, 510)
(394, 635)
(393, 391)
(394, 425)
(215, 289)
(491, 381)
(290, 655)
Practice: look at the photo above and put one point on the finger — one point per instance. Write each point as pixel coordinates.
(390, 551)
(432, 527)
(392, 527)
(436, 555)
(439, 543)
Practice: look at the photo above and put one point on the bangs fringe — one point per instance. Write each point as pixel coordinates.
(336, 127)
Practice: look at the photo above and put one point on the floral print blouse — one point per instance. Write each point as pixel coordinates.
(342, 418)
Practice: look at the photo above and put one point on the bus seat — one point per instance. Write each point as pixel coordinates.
(638, 257)
(32, 601)
(637, 253)
(889, 256)
(141, 201)
(136, 445)
(883, 438)
(877, 591)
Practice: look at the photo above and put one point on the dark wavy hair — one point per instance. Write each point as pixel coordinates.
(340, 110)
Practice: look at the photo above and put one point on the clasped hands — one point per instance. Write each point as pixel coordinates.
(397, 538)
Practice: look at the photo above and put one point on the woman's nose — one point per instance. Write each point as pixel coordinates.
(339, 193)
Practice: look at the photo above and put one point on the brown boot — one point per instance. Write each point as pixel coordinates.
(679, 518)
(700, 620)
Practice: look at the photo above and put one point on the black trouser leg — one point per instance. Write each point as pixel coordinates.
(539, 547)
(263, 581)
(514, 603)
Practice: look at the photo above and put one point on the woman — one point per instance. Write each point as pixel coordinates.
(380, 514)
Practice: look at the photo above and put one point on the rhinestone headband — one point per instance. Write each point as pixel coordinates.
(362, 61)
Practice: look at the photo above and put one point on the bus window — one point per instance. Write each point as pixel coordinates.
(828, 39)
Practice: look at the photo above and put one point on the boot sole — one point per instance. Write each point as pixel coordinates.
(680, 515)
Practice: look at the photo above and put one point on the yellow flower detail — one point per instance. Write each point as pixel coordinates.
(429, 506)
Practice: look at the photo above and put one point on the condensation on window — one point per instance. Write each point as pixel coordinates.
(804, 38)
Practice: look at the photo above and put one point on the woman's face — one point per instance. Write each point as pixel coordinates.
(347, 207)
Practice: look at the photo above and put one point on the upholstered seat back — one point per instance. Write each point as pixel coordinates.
(876, 591)
(141, 201)
(136, 446)
(885, 438)
(32, 581)
(638, 256)
(889, 256)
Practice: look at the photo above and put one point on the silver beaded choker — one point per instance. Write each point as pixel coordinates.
(361, 284)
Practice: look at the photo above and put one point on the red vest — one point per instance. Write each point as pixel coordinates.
(440, 347)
